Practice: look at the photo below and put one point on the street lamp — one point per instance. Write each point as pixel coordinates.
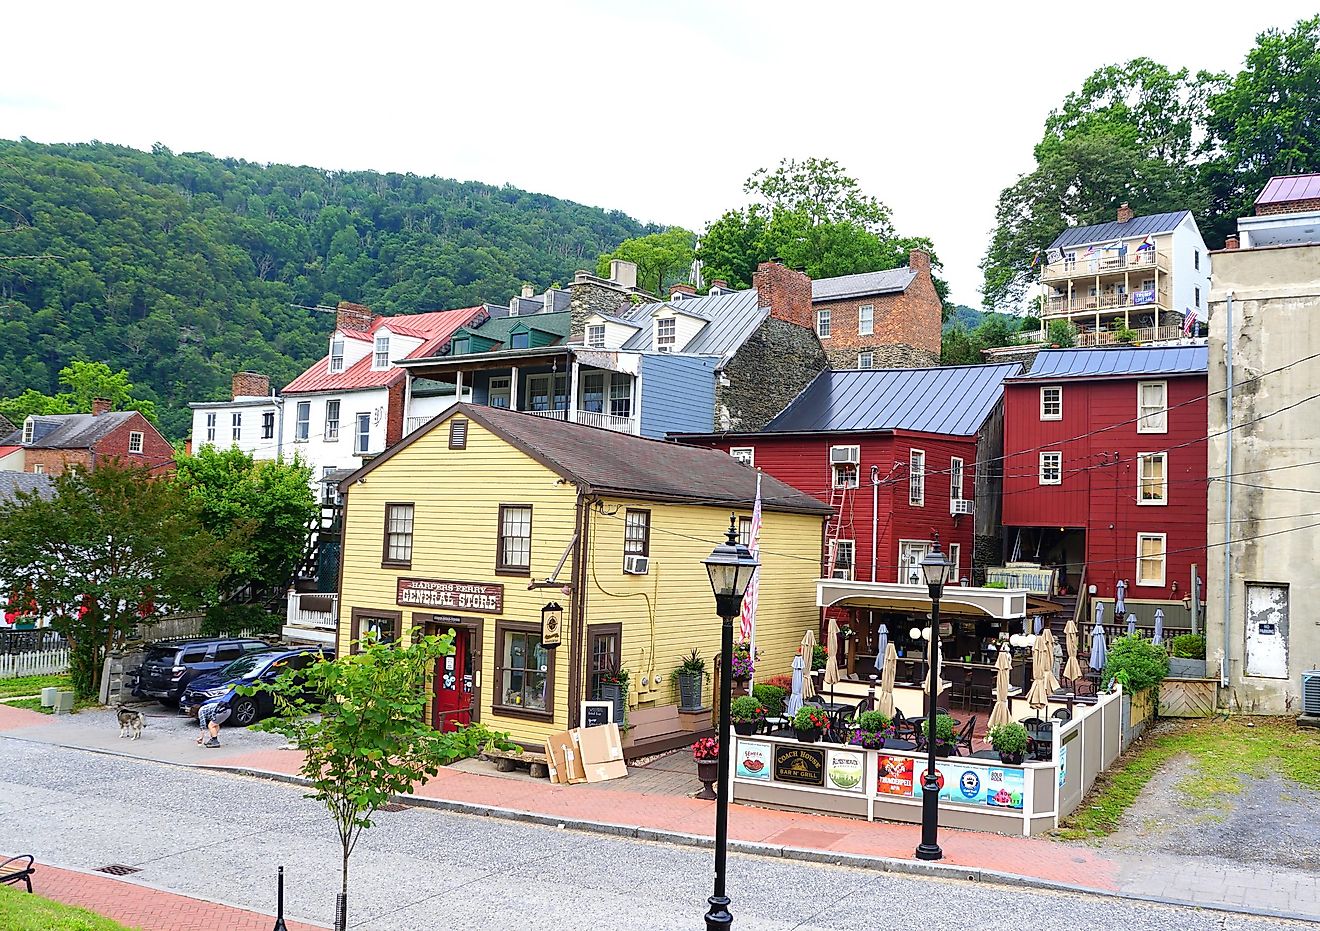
(935, 569)
(731, 566)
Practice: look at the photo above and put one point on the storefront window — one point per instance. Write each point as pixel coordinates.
(525, 673)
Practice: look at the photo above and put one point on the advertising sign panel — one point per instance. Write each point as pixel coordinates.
(845, 770)
(752, 761)
(981, 786)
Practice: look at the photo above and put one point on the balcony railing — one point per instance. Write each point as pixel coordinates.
(1081, 304)
(604, 421)
(1106, 263)
(1149, 334)
(312, 616)
(414, 423)
(550, 415)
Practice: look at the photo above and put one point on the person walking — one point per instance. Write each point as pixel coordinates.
(210, 715)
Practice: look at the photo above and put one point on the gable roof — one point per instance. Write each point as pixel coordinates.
(1117, 362)
(953, 400)
(606, 462)
(72, 431)
(1151, 225)
(730, 318)
(1283, 189)
(890, 281)
(11, 483)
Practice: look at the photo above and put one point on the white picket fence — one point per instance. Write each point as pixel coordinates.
(40, 663)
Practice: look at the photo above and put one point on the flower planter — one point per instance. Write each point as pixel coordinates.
(617, 694)
(1180, 668)
(708, 771)
(1012, 759)
(943, 751)
(689, 691)
(745, 728)
(808, 736)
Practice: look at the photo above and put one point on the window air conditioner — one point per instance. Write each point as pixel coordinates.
(962, 506)
(1311, 692)
(845, 455)
(636, 565)
(844, 574)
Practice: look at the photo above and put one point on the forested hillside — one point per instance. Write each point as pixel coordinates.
(185, 268)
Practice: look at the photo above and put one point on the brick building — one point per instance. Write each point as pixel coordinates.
(51, 444)
(888, 319)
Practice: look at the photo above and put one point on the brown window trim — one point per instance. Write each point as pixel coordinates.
(355, 624)
(597, 630)
(497, 669)
(385, 561)
(501, 568)
(646, 542)
(458, 424)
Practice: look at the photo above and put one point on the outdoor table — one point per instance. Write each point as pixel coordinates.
(893, 743)
(1044, 738)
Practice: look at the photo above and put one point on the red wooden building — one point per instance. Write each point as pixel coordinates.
(1105, 469)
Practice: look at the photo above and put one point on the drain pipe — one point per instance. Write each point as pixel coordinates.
(1228, 488)
(875, 516)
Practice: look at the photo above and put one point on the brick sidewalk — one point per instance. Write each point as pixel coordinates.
(145, 908)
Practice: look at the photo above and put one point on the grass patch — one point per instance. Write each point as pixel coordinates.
(1224, 753)
(31, 685)
(22, 912)
(34, 704)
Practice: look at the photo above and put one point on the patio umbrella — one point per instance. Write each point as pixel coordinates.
(808, 651)
(795, 697)
(1099, 613)
(1073, 670)
(1159, 626)
(1003, 667)
(939, 672)
(1132, 625)
(887, 676)
(881, 641)
(1120, 591)
(1099, 650)
(1042, 669)
(1037, 623)
(831, 656)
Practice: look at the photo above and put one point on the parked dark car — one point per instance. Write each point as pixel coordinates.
(170, 665)
(249, 669)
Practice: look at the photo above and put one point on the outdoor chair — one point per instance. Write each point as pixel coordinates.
(905, 729)
(18, 869)
(963, 740)
(1062, 714)
(1034, 724)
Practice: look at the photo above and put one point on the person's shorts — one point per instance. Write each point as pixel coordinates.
(211, 712)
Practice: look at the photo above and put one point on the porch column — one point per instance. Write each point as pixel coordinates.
(407, 400)
(458, 387)
(513, 387)
(572, 391)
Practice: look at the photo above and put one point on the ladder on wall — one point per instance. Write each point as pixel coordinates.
(840, 517)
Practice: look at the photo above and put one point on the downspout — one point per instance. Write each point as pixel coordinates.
(1228, 486)
(279, 425)
(875, 517)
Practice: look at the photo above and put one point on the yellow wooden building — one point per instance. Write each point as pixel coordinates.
(479, 519)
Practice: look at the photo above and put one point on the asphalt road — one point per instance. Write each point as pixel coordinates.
(220, 837)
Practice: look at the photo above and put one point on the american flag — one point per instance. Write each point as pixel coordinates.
(1189, 322)
(749, 597)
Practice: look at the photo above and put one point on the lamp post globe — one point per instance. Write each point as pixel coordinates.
(731, 566)
(935, 571)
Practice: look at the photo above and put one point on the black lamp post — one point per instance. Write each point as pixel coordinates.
(731, 566)
(935, 570)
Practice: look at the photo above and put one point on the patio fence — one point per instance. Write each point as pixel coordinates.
(35, 663)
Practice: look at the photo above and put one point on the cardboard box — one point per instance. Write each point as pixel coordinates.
(562, 748)
(601, 751)
(554, 763)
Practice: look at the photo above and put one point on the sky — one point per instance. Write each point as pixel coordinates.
(658, 109)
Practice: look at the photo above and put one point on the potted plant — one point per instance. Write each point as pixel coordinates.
(747, 714)
(810, 722)
(1187, 656)
(706, 752)
(689, 675)
(944, 733)
(614, 687)
(1010, 741)
(872, 729)
(772, 698)
(743, 664)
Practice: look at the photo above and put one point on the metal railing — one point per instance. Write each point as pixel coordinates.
(1104, 263)
(1083, 303)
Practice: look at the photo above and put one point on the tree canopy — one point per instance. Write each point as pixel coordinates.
(662, 258)
(83, 382)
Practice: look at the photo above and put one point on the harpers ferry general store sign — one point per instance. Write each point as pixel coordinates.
(461, 596)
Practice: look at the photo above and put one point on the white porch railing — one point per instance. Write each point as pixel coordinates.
(592, 419)
(549, 415)
(314, 610)
(413, 423)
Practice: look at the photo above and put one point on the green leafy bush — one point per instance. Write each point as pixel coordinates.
(818, 655)
(1188, 646)
(230, 620)
(746, 708)
(809, 717)
(772, 697)
(1009, 738)
(1136, 663)
(1062, 333)
(944, 728)
(873, 721)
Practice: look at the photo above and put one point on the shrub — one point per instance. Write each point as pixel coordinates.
(818, 655)
(1136, 663)
(1125, 335)
(811, 716)
(873, 721)
(782, 681)
(692, 664)
(772, 697)
(944, 731)
(1062, 333)
(1188, 646)
(231, 620)
(1009, 738)
(746, 708)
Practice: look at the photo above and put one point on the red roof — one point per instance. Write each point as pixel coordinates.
(1282, 189)
(433, 328)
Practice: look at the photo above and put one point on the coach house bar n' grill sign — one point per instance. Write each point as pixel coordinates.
(456, 596)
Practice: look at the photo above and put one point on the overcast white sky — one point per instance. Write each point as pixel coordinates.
(659, 109)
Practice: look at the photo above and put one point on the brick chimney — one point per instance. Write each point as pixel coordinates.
(682, 288)
(250, 385)
(786, 292)
(1124, 212)
(719, 283)
(919, 260)
(353, 317)
(1231, 242)
(100, 406)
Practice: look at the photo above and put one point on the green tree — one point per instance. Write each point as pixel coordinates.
(110, 548)
(661, 258)
(83, 381)
(1062, 333)
(819, 190)
(370, 740)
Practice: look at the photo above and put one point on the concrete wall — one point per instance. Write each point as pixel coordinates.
(1276, 322)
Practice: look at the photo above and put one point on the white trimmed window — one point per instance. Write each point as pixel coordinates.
(866, 320)
(666, 334)
(135, 442)
(237, 426)
(866, 360)
(499, 391)
(1152, 407)
(1051, 468)
(362, 436)
(302, 422)
(1151, 553)
(843, 562)
(337, 354)
(38, 469)
(955, 479)
(210, 428)
(381, 357)
(1051, 402)
(823, 323)
(331, 421)
(917, 478)
(1152, 478)
(744, 454)
(954, 556)
(30, 426)
(595, 336)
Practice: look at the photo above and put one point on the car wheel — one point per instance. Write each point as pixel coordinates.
(169, 702)
(245, 712)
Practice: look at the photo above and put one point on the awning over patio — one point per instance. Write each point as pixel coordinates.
(967, 601)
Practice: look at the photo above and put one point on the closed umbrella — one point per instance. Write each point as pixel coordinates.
(1132, 625)
(808, 651)
(940, 684)
(887, 676)
(1043, 682)
(831, 656)
(1159, 626)
(1072, 671)
(1003, 668)
(795, 697)
(1120, 590)
(881, 641)
(1037, 623)
(1099, 650)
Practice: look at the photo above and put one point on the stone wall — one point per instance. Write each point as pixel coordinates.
(591, 295)
(771, 368)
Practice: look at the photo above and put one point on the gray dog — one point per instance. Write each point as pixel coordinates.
(131, 721)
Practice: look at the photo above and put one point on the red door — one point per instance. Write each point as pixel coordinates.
(454, 685)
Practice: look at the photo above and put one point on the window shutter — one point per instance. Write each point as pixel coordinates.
(458, 434)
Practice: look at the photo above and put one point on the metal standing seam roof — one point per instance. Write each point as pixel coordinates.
(1151, 225)
(890, 281)
(953, 401)
(1117, 362)
(1282, 189)
(732, 318)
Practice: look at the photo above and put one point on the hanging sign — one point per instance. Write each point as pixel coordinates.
(439, 593)
(552, 625)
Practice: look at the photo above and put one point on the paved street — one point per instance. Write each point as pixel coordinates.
(220, 837)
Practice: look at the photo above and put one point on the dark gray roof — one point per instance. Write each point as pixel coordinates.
(733, 317)
(890, 281)
(606, 462)
(1118, 362)
(954, 401)
(73, 431)
(11, 483)
(1105, 232)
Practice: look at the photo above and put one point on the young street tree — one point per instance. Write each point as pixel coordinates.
(370, 741)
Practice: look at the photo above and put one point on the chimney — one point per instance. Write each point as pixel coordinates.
(100, 406)
(1231, 242)
(919, 260)
(623, 273)
(786, 292)
(250, 385)
(1124, 212)
(528, 291)
(678, 291)
(719, 283)
(353, 317)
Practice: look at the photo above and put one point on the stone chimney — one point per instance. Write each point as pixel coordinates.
(1124, 212)
(786, 292)
(353, 317)
(678, 291)
(919, 260)
(528, 291)
(100, 406)
(623, 273)
(1231, 241)
(250, 385)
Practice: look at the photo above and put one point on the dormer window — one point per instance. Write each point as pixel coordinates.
(461, 347)
(28, 427)
(337, 354)
(521, 340)
(595, 336)
(666, 334)
(381, 359)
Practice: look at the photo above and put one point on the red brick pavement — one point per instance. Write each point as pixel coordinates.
(12, 718)
(146, 908)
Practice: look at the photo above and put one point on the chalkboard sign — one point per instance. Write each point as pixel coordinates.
(597, 713)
